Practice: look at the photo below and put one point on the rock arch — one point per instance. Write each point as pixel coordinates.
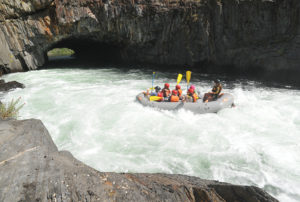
(87, 49)
(258, 33)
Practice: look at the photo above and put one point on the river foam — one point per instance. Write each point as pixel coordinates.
(93, 114)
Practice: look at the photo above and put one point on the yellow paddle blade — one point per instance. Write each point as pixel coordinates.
(188, 76)
(179, 78)
(155, 98)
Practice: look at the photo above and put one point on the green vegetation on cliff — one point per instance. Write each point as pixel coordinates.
(60, 52)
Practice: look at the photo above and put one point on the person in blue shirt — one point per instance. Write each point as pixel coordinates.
(155, 93)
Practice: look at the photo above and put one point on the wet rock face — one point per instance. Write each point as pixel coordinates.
(10, 85)
(252, 33)
(32, 169)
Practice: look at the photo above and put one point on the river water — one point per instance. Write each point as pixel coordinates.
(93, 114)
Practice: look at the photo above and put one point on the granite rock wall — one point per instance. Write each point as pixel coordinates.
(261, 34)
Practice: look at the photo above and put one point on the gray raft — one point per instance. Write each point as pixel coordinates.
(199, 107)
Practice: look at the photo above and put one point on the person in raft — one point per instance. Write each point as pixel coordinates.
(166, 90)
(212, 96)
(157, 89)
(174, 97)
(178, 89)
(160, 94)
(155, 93)
(193, 88)
(191, 95)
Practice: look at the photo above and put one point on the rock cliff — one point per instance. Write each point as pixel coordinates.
(260, 34)
(32, 169)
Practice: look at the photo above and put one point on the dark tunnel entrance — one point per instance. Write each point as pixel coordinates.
(77, 51)
(84, 52)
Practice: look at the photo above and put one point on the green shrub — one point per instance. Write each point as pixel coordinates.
(10, 110)
(60, 52)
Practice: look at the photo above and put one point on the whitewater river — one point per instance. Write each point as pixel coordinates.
(93, 114)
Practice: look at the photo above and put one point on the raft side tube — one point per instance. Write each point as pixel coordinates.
(199, 107)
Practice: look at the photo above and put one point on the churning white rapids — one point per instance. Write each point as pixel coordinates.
(93, 114)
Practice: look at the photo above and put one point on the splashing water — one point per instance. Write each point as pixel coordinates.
(93, 114)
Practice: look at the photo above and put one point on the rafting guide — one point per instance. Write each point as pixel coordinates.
(167, 99)
(215, 92)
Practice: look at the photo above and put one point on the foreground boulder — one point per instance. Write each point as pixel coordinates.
(32, 169)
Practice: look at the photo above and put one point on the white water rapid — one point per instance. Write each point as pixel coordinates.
(93, 114)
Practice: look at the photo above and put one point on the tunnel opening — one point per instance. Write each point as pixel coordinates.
(86, 52)
(78, 51)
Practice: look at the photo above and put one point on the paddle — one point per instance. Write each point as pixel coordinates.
(153, 76)
(155, 98)
(179, 78)
(188, 78)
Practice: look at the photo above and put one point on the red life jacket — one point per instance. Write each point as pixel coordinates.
(160, 94)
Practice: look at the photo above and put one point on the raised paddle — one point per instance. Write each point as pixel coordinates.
(153, 76)
(188, 78)
(179, 78)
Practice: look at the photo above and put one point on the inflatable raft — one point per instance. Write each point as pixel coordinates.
(199, 107)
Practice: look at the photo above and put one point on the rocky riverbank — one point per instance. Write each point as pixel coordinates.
(32, 169)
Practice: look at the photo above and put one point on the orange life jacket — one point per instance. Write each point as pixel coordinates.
(179, 92)
(174, 98)
(194, 96)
